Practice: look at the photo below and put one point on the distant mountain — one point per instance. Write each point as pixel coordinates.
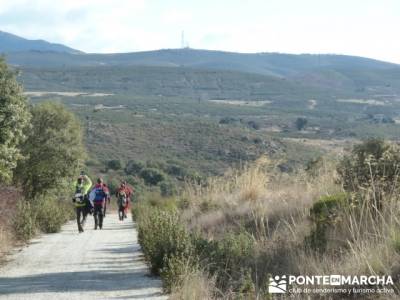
(276, 64)
(11, 43)
(322, 72)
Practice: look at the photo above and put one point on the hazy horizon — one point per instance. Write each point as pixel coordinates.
(360, 28)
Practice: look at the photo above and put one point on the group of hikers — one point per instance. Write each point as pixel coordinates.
(91, 199)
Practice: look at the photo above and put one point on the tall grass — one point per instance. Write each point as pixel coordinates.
(44, 214)
(6, 240)
(256, 222)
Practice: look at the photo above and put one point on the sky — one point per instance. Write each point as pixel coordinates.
(369, 28)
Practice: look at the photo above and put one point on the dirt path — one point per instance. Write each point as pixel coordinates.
(104, 264)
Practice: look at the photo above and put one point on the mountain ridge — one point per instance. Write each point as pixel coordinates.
(44, 54)
(12, 43)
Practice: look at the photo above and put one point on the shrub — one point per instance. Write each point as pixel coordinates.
(113, 185)
(54, 150)
(175, 268)
(134, 167)
(257, 140)
(24, 221)
(254, 125)
(156, 164)
(227, 258)
(165, 242)
(228, 120)
(44, 213)
(373, 165)
(196, 285)
(176, 171)
(167, 188)
(50, 214)
(138, 185)
(114, 164)
(324, 214)
(152, 176)
(301, 123)
(14, 118)
(314, 165)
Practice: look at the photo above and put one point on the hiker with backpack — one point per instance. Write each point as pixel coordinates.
(122, 200)
(82, 204)
(98, 196)
(123, 195)
(108, 200)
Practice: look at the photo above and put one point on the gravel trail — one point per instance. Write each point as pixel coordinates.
(97, 264)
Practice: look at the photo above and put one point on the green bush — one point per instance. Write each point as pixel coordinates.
(175, 268)
(372, 166)
(152, 176)
(156, 164)
(165, 242)
(168, 188)
(51, 214)
(134, 167)
(54, 150)
(324, 214)
(113, 185)
(114, 164)
(24, 222)
(227, 258)
(42, 214)
(138, 185)
(14, 119)
(176, 171)
(301, 123)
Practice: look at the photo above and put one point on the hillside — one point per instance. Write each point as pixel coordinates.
(165, 81)
(39, 53)
(181, 113)
(13, 43)
(247, 98)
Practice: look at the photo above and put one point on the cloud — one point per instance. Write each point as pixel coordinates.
(176, 16)
(78, 23)
(358, 27)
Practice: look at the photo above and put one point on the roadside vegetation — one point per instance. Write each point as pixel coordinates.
(41, 151)
(226, 237)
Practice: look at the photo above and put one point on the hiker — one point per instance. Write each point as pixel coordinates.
(99, 196)
(122, 200)
(108, 200)
(123, 195)
(129, 191)
(82, 204)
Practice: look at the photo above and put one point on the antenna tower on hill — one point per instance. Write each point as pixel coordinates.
(184, 43)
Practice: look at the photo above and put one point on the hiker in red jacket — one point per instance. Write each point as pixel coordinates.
(123, 195)
(98, 196)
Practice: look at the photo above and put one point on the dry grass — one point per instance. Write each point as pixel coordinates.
(6, 241)
(256, 190)
(275, 210)
(196, 286)
(370, 241)
(9, 197)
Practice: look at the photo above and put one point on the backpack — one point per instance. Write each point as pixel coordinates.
(79, 197)
(122, 199)
(99, 195)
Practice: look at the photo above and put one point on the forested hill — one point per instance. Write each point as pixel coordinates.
(39, 53)
(276, 64)
(12, 43)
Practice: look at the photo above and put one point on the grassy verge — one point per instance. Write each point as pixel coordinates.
(226, 238)
(44, 214)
